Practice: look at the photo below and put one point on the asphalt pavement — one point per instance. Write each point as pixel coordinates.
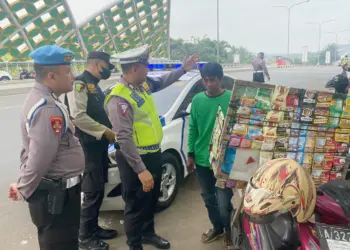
(183, 223)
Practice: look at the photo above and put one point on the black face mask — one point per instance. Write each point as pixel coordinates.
(105, 74)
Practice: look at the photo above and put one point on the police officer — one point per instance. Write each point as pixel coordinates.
(52, 159)
(86, 104)
(259, 68)
(135, 120)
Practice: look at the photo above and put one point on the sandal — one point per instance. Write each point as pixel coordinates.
(210, 236)
(228, 243)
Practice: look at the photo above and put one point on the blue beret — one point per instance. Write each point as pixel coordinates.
(52, 55)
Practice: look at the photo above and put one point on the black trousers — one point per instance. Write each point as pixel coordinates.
(139, 206)
(57, 232)
(93, 183)
(258, 77)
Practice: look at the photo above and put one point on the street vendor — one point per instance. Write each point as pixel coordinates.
(202, 119)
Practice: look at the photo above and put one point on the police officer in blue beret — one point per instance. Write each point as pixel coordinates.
(52, 159)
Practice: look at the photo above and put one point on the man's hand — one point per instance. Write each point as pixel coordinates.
(147, 180)
(269, 78)
(14, 194)
(110, 135)
(190, 164)
(189, 62)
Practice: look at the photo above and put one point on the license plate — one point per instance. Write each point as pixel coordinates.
(333, 237)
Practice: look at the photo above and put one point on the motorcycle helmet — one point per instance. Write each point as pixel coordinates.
(279, 186)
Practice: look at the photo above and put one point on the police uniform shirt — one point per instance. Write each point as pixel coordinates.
(120, 114)
(50, 148)
(260, 65)
(78, 101)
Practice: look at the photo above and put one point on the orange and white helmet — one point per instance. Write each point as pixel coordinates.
(280, 185)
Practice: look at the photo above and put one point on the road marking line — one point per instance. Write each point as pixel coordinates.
(11, 107)
(7, 96)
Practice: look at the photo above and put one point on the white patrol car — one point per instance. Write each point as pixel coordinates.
(173, 104)
(5, 76)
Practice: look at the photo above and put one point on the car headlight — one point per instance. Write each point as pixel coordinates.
(111, 154)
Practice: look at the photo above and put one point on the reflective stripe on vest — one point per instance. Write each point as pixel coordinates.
(147, 131)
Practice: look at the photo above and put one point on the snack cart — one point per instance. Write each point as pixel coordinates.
(266, 122)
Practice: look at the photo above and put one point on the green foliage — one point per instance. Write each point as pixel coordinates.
(207, 49)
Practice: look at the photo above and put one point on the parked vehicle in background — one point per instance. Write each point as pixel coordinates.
(5, 76)
(25, 74)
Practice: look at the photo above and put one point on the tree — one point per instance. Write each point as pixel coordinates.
(207, 48)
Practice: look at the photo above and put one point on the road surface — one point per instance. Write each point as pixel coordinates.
(182, 223)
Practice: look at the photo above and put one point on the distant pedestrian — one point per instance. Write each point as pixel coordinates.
(259, 68)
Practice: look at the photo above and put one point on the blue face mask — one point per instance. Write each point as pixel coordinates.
(105, 74)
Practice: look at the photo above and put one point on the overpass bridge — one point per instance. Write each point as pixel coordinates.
(118, 26)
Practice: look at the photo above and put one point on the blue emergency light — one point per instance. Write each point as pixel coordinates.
(170, 66)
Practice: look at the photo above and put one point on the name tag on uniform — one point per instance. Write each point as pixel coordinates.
(138, 99)
(145, 86)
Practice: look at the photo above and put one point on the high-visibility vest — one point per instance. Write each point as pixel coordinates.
(344, 61)
(147, 129)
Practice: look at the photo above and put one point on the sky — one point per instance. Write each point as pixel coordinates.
(253, 24)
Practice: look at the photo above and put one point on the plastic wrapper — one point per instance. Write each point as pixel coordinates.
(282, 144)
(235, 141)
(257, 117)
(325, 175)
(303, 130)
(330, 146)
(274, 116)
(257, 145)
(316, 176)
(324, 99)
(278, 155)
(309, 96)
(255, 133)
(320, 144)
(319, 160)
(240, 129)
(307, 114)
(250, 92)
(244, 110)
(270, 131)
(293, 144)
(321, 116)
(279, 98)
(263, 93)
(295, 130)
(247, 102)
(292, 101)
(341, 147)
(264, 104)
(300, 158)
(265, 157)
(283, 131)
(335, 176)
(310, 144)
(308, 161)
(246, 143)
(342, 135)
(301, 144)
(339, 161)
(291, 155)
(328, 162)
(268, 144)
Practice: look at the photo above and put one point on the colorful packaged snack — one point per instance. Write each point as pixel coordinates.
(301, 144)
(283, 131)
(250, 92)
(337, 169)
(279, 97)
(293, 144)
(235, 141)
(240, 129)
(295, 129)
(316, 176)
(255, 133)
(239, 90)
(308, 160)
(310, 144)
(339, 161)
(265, 157)
(257, 117)
(274, 116)
(282, 144)
(246, 143)
(244, 110)
(264, 93)
(319, 160)
(342, 135)
(270, 131)
(300, 158)
(324, 99)
(330, 145)
(264, 104)
(341, 147)
(257, 145)
(268, 144)
(307, 114)
(309, 96)
(328, 162)
(247, 102)
(335, 176)
(321, 115)
(291, 155)
(320, 143)
(278, 155)
(303, 130)
(325, 177)
(292, 101)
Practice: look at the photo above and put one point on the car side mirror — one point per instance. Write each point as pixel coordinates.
(188, 109)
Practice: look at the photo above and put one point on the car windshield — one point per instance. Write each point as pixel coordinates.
(165, 98)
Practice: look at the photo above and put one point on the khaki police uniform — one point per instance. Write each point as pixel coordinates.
(259, 68)
(52, 161)
(131, 109)
(86, 106)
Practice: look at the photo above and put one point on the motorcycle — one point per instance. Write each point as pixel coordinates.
(24, 74)
(277, 230)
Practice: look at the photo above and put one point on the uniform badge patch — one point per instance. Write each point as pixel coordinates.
(91, 88)
(56, 124)
(124, 107)
(145, 86)
(79, 86)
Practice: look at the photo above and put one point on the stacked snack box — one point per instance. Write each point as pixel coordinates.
(268, 122)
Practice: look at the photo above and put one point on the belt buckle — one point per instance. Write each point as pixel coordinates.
(73, 181)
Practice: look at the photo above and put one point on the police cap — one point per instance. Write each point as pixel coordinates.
(51, 55)
(137, 55)
(101, 56)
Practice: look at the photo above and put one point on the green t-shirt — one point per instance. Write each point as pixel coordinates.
(202, 121)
